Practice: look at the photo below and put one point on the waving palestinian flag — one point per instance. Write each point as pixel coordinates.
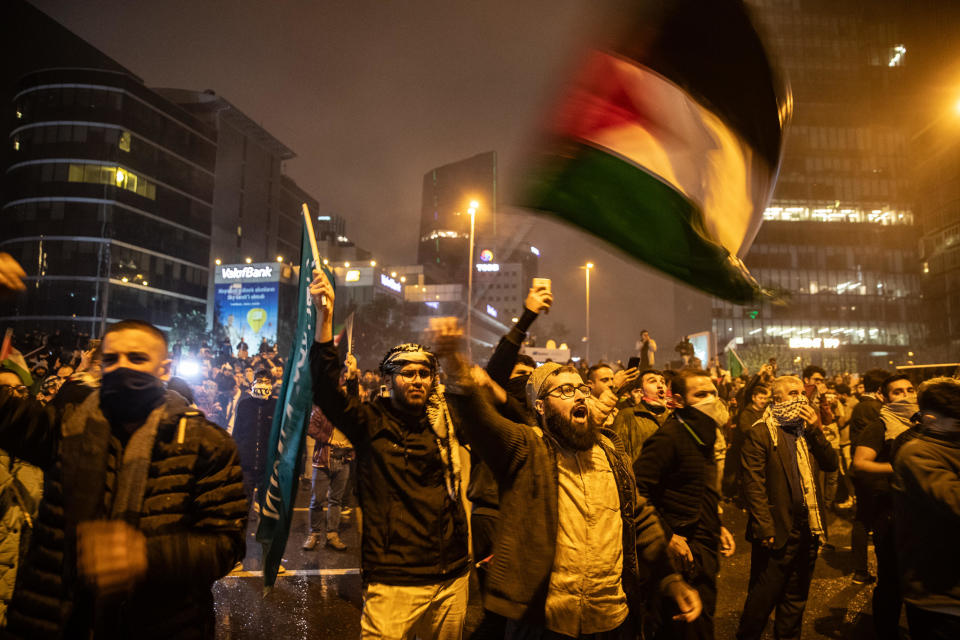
(668, 146)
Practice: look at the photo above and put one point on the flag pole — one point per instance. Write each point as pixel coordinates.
(313, 241)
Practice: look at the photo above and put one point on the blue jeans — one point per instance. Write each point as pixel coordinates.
(328, 486)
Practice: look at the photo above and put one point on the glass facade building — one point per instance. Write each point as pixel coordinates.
(839, 241)
(107, 201)
(850, 295)
(444, 222)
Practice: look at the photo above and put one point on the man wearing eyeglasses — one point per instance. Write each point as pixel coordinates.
(414, 554)
(575, 536)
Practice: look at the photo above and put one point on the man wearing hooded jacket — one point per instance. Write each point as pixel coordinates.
(143, 508)
(677, 473)
(414, 556)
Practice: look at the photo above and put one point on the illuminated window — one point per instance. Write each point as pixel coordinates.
(115, 176)
(124, 143)
(16, 144)
(896, 55)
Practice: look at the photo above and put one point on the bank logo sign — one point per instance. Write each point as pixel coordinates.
(257, 272)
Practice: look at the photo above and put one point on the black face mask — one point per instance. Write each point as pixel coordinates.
(517, 388)
(128, 396)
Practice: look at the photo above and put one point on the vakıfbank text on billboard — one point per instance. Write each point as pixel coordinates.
(246, 298)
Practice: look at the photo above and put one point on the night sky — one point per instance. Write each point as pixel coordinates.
(373, 94)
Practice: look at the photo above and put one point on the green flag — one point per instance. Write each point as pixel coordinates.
(734, 363)
(287, 437)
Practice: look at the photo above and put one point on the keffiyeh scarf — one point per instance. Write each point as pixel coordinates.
(787, 417)
(438, 413)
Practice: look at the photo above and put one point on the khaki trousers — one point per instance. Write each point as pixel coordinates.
(397, 612)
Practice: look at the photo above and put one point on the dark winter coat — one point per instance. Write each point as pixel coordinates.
(251, 431)
(413, 532)
(193, 516)
(771, 492)
(678, 475)
(926, 501)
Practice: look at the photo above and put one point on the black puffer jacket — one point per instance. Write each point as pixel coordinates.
(413, 532)
(193, 516)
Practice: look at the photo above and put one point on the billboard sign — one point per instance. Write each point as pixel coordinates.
(246, 300)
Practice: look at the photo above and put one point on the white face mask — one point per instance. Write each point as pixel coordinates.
(715, 408)
(261, 390)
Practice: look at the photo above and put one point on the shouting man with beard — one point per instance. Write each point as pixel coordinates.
(574, 531)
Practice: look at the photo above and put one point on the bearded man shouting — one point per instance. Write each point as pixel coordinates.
(575, 536)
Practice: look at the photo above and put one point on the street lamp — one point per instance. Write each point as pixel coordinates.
(474, 205)
(586, 270)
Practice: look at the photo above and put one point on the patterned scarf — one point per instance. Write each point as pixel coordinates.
(438, 414)
(442, 425)
(807, 484)
(897, 417)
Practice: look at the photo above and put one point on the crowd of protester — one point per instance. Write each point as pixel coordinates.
(596, 492)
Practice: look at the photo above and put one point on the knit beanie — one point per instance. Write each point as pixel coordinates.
(537, 380)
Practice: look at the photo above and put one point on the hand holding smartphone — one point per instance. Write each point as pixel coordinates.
(540, 297)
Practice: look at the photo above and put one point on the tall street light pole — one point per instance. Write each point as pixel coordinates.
(586, 270)
(474, 205)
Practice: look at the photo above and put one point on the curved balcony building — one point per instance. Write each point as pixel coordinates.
(107, 202)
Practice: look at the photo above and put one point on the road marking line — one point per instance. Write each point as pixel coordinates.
(297, 572)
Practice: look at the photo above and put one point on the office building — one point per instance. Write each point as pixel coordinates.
(448, 192)
(839, 240)
(108, 186)
(934, 120)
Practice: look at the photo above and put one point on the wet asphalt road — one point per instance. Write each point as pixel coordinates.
(319, 596)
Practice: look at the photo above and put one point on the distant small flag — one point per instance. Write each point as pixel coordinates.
(734, 363)
(343, 337)
(668, 146)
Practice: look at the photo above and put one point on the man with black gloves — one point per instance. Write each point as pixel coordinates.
(574, 532)
(782, 455)
(677, 474)
(143, 509)
(414, 557)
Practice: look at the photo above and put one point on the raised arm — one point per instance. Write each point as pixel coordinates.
(504, 445)
(343, 411)
(501, 443)
(504, 357)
